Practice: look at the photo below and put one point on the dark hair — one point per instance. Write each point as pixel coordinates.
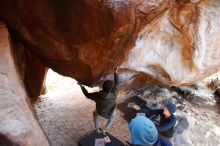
(171, 107)
(107, 85)
(5, 141)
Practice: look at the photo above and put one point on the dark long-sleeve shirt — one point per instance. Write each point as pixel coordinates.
(165, 126)
(105, 101)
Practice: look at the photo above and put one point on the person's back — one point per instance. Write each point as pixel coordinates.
(105, 101)
(160, 142)
(144, 133)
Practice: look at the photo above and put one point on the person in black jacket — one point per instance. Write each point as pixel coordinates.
(105, 101)
(163, 119)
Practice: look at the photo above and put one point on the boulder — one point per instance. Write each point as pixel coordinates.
(83, 39)
(155, 42)
(18, 124)
(31, 70)
(182, 47)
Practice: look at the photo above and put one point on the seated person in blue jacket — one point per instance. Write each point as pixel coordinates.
(143, 133)
(163, 119)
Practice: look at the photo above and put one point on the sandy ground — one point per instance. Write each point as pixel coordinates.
(66, 116)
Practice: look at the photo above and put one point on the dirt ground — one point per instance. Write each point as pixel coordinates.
(66, 116)
(65, 113)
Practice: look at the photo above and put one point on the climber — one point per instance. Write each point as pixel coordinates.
(105, 102)
(164, 119)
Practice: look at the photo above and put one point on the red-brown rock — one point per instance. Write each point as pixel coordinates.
(83, 39)
(172, 42)
(31, 70)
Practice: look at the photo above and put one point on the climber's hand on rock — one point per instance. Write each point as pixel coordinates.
(116, 70)
(80, 83)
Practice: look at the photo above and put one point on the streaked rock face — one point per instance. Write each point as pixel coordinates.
(83, 39)
(155, 41)
(182, 47)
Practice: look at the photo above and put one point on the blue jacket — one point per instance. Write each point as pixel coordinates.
(160, 142)
(108, 144)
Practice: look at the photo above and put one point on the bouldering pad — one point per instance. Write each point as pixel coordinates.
(89, 140)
